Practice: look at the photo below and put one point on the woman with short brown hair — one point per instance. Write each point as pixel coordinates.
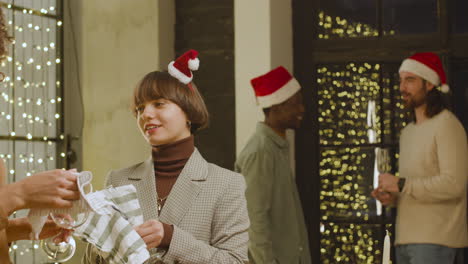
(161, 85)
(194, 211)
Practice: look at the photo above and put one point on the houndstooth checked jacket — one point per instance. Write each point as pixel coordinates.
(207, 207)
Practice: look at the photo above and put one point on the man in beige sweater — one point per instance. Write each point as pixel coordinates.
(430, 194)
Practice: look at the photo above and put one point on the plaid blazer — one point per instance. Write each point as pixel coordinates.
(207, 207)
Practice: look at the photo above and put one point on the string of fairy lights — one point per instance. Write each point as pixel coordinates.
(351, 230)
(31, 99)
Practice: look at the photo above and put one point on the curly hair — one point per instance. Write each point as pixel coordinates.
(5, 39)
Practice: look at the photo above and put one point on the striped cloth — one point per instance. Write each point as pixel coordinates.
(112, 235)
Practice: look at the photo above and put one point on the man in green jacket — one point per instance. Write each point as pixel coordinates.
(277, 233)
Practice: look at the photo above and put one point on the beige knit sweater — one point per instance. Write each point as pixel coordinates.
(432, 205)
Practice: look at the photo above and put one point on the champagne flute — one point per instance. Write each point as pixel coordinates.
(382, 156)
(383, 160)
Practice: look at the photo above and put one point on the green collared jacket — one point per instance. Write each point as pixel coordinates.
(277, 233)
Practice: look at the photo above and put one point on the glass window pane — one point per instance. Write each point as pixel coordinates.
(459, 17)
(347, 19)
(403, 17)
(7, 154)
(344, 94)
(396, 116)
(6, 90)
(347, 177)
(30, 100)
(23, 158)
(459, 80)
(35, 75)
(34, 156)
(352, 243)
(43, 6)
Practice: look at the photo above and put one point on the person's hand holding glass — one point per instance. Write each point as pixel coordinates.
(62, 247)
(382, 156)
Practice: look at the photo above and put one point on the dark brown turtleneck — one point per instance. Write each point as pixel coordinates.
(169, 160)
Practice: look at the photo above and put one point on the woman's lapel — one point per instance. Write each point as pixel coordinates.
(144, 180)
(185, 190)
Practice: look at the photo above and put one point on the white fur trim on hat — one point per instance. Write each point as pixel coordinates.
(445, 88)
(178, 74)
(420, 69)
(193, 64)
(281, 95)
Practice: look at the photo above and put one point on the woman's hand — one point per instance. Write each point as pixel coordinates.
(48, 189)
(152, 232)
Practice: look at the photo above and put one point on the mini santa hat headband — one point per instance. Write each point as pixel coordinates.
(274, 87)
(183, 66)
(428, 66)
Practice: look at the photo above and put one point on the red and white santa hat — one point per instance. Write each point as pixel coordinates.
(183, 66)
(428, 66)
(274, 87)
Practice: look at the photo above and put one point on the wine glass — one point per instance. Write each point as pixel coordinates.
(59, 252)
(70, 220)
(63, 251)
(78, 214)
(155, 256)
(67, 219)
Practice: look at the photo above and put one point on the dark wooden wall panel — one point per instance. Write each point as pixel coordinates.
(208, 26)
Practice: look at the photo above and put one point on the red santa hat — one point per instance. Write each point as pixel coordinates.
(428, 66)
(182, 66)
(274, 87)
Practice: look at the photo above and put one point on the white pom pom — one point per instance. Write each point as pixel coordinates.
(193, 64)
(445, 88)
